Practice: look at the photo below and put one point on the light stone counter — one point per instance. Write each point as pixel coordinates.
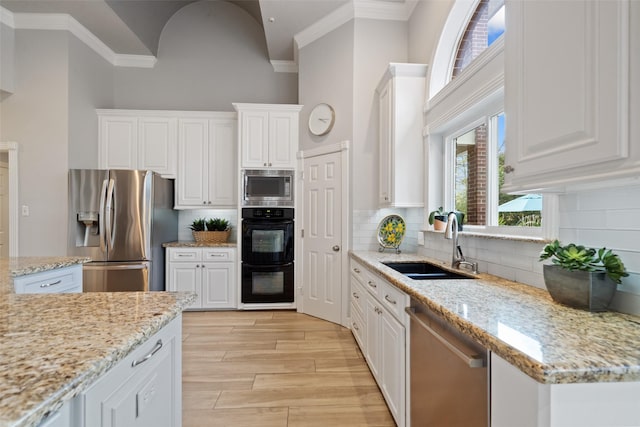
(54, 346)
(192, 244)
(551, 343)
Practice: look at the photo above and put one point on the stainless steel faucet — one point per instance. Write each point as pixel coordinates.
(457, 258)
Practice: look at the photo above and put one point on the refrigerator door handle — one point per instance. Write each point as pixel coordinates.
(103, 217)
(108, 214)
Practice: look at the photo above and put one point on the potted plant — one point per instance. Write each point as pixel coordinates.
(582, 277)
(198, 224)
(438, 219)
(214, 230)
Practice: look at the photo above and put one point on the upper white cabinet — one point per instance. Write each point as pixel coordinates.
(268, 135)
(207, 162)
(133, 139)
(570, 68)
(401, 95)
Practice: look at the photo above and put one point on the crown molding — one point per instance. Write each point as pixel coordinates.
(66, 22)
(280, 66)
(363, 9)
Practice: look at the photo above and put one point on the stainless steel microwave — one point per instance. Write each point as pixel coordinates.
(266, 187)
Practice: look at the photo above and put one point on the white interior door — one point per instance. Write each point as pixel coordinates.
(322, 224)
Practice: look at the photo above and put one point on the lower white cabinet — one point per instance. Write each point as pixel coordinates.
(209, 272)
(144, 389)
(59, 280)
(378, 323)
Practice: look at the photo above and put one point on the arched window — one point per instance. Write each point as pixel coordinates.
(484, 27)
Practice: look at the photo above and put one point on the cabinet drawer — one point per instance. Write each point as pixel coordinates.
(185, 254)
(62, 280)
(393, 299)
(358, 327)
(358, 296)
(218, 254)
(358, 271)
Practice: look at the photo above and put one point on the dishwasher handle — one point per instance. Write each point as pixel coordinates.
(469, 356)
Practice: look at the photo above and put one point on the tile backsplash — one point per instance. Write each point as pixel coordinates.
(186, 217)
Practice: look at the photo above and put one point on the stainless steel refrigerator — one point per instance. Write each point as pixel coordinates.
(121, 218)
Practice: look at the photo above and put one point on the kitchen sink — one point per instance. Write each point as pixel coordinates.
(424, 271)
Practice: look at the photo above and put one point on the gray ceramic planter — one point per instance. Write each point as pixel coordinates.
(579, 289)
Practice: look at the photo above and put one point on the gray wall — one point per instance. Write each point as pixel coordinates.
(90, 87)
(6, 59)
(210, 55)
(36, 116)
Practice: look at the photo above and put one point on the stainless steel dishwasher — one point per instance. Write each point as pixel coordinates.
(449, 374)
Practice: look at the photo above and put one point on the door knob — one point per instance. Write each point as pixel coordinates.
(336, 248)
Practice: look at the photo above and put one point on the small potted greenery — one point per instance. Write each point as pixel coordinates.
(438, 219)
(582, 277)
(213, 230)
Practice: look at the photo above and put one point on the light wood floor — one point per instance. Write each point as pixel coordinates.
(274, 369)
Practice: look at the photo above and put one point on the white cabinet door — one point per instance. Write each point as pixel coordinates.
(401, 96)
(268, 135)
(223, 149)
(118, 142)
(218, 285)
(254, 139)
(283, 139)
(143, 389)
(186, 276)
(372, 340)
(567, 86)
(192, 182)
(392, 361)
(157, 145)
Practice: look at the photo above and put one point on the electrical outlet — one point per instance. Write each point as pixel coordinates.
(25, 210)
(421, 238)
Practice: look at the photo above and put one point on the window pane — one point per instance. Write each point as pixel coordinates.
(470, 187)
(514, 210)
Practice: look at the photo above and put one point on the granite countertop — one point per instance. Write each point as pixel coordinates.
(192, 244)
(551, 343)
(54, 346)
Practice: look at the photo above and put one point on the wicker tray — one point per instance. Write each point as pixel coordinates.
(211, 236)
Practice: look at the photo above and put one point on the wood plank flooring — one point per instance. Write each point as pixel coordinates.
(275, 369)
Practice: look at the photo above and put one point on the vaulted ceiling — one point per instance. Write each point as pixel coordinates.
(134, 26)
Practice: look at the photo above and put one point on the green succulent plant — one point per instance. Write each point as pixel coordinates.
(437, 212)
(577, 257)
(197, 224)
(217, 224)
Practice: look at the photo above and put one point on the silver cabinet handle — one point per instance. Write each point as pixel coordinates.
(355, 327)
(217, 255)
(149, 355)
(356, 269)
(508, 169)
(373, 285)
(46, 285)
(389, 299)
(183, 255)
(356, 296)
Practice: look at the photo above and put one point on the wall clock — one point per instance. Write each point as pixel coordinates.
(321, 119)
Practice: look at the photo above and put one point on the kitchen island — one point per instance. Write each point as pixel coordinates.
(550, 365)
(56, 347)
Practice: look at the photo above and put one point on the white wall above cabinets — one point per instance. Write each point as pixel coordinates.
(269, 135)
(207, 161)
(136, 139)
(401, 96)
(567, 85)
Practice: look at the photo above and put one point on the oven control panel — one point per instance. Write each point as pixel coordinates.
(267, 213)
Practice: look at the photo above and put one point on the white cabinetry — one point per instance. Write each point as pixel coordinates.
(144, 389)
(268, 135)
(207, 164)
(401, 96)
(567, 92)
(60, 280)
(209, 272)
(136, 139)
(378, 324)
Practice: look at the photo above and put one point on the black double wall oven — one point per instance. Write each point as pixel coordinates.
(267, 255)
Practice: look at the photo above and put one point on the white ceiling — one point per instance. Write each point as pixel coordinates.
(133, 26)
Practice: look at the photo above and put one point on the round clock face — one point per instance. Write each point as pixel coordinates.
(321, 119)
